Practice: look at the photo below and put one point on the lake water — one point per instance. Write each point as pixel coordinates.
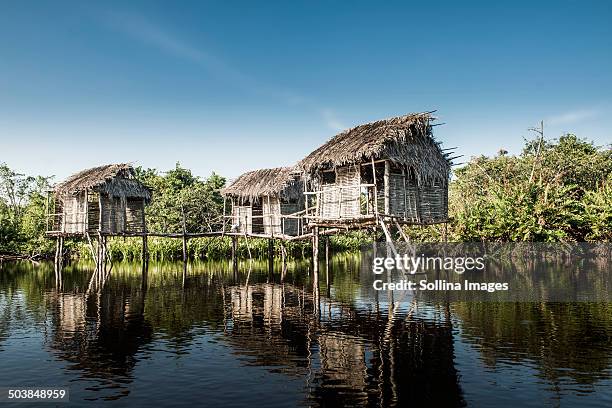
(219, 338)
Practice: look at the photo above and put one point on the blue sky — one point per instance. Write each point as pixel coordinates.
(232, 86)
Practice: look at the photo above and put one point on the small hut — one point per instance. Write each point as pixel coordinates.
(107, 200)
(265, 202)
(391, 168)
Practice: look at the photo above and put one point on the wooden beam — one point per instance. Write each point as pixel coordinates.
(375, 187)
(386, 187)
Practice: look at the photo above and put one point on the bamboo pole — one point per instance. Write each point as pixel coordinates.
(375, 188)
(100, 217)
(224, 209)
(390, 243)
(184, 236)
(86, 215)
(315, 250)
(327, 265)
(405, 193)
(270, 256)
(145, 244)
(386, 187)
(234, 253)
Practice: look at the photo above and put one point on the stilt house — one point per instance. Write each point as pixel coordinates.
(106, 200)
(391, 168)
(266, 202)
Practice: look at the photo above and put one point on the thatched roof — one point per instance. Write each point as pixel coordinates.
(279, 181)
(406, 140)
(117, 180)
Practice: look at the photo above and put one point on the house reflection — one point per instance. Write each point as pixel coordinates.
(346, 356)
(100, 336)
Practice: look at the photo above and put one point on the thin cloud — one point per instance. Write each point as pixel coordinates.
(332, 121)
(153, 35)
(573, 117)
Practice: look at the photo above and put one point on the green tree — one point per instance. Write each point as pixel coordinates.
(22, 212)
(179, 192)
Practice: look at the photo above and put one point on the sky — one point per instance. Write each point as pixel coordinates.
(230, 86)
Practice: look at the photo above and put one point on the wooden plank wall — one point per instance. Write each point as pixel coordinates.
(73, 214)
(336, 204)
(243, 218)
(272, 219)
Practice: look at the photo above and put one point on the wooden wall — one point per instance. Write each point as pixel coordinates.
(341, 203)
(424, 203)
(271, 212)
(73, 214)
(270, 221)
(82, 212)
(243, 218)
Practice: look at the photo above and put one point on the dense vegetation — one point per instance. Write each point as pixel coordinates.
(558, 190)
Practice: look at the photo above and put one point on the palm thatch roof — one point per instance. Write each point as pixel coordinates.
(405, 140)
(116, 180)
(279, 182)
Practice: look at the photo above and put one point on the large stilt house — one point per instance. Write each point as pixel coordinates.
(391, 168)
(105, 200)
(266, 202)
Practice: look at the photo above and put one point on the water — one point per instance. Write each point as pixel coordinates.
(212, 339)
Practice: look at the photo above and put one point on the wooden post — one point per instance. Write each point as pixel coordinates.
(145, 259)
(315, 270)
(224, 219)
(104, 253)
(270, 256)
(86, 215)
(60, 263)
(315, 251)
(284, 260)
(56, 256)
(386, 187)
(184, 236)
(375, 187)
(61, 253)
(145, 244)
(327, 265)
(404, 168)
(235, 253)
(100, 217)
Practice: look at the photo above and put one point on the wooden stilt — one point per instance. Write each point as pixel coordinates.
(271, 256)
(145, 249)
(145, 263)
(235, 254)
(390, 243)
(56, 260)
(184, 236)
(56, 253)
(60, 262)
(315, 251)
(91, 248)
(315, 270)
(284, 261)
(387, 187)
(103, 255)
(327, 288)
